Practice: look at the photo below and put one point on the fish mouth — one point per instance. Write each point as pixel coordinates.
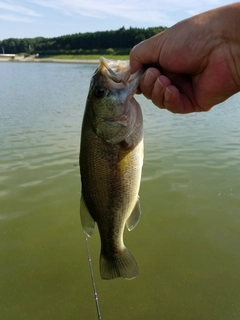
(119, 78)
(120, 74)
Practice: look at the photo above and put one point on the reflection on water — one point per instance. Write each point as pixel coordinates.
(186, 244)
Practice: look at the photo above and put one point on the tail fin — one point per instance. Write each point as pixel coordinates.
(122, 265)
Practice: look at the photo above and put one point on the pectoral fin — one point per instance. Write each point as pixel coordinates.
(86, 219)
(134, 217)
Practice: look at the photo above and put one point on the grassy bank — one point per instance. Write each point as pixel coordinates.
(86, 57)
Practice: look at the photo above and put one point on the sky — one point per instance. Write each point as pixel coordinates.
(52, 18)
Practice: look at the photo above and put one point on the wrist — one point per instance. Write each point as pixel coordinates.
(228, 24)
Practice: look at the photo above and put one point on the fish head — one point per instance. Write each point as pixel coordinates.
(113, 110)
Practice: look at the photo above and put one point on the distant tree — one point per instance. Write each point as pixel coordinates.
(68, 47)
(110, 51)
(24, 45)
(121, 40)
(140, 37)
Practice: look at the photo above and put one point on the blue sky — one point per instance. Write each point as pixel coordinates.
(50, 18)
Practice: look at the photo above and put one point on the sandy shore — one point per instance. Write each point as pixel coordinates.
(22, 59)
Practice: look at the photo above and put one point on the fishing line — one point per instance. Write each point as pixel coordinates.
(93, 280)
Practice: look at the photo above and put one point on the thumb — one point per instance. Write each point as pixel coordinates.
(146, 52)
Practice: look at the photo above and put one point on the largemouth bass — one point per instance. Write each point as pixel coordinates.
(111, 158)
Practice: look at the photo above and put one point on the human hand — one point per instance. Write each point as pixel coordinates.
(195, 64)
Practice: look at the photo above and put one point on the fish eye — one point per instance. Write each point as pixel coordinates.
(99, 92)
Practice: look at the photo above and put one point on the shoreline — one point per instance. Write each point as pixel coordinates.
(91, 61)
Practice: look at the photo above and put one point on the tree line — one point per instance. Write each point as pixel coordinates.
(117, 41)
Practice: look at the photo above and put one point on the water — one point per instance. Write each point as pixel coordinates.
(188, 239)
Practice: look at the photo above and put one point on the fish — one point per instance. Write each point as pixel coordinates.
(111, 160)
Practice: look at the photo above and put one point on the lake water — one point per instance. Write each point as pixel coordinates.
(187, 243)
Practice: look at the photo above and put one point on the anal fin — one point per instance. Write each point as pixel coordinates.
(134, 217)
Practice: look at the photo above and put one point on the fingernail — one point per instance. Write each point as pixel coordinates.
(161, 84)
(149, 78)
(167, 94)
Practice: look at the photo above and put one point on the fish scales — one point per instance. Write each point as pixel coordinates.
(111, 156)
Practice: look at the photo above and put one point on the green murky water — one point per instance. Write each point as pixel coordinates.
(187, 243)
